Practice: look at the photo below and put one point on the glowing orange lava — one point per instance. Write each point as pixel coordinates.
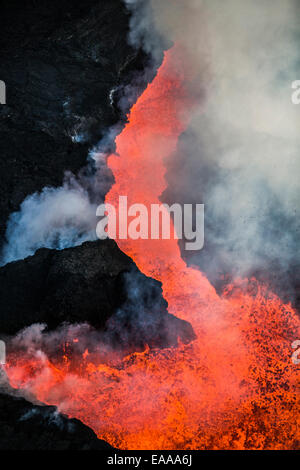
(234, 387)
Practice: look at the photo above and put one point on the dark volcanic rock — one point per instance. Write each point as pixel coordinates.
(73, 285)
(59, 60)
(92, 283)
(24, 426)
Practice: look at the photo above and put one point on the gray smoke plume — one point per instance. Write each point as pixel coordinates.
(240, 154)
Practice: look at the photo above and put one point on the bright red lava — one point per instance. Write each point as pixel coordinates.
(234, 387)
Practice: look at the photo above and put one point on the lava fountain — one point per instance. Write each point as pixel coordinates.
(234, 387)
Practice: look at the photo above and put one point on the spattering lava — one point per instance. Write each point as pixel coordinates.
(234, 387)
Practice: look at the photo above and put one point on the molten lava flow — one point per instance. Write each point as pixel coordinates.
(235, 385)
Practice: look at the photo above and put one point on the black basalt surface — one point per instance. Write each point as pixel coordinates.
(94, 283)
(24, 426)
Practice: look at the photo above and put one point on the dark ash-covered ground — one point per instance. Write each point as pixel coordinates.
(94, 283)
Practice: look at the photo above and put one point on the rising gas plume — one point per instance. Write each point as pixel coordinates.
(239, 154)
